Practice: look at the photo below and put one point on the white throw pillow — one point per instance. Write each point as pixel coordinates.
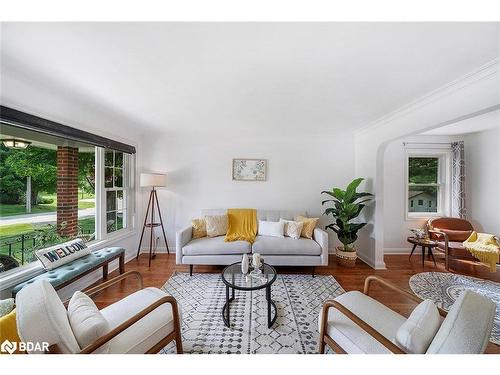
(86, 321)
(417, 333)
(56, 256)
(292, 228)
(271, 228)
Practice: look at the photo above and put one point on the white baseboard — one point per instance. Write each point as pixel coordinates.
(159, 249)
(397, 251)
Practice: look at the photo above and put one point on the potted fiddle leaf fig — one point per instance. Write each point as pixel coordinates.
(346, 205)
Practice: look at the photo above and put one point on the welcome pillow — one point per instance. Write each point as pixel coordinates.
(56, 256)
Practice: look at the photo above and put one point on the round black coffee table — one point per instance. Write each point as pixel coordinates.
(235, 279)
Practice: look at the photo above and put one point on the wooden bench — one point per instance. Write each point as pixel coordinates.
(72, 271)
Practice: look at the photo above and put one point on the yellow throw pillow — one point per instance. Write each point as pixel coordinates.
(309, 225)
(216, 225)
(8, 330)
(199, 228)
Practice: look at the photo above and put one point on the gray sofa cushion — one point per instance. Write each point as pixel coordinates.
(215, 246)
(285, 246)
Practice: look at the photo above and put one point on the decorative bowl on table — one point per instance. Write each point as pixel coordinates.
(419, 233)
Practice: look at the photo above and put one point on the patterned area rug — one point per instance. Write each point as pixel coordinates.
(298, 298)
(444, 289)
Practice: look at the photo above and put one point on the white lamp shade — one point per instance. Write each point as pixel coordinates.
(153, 179)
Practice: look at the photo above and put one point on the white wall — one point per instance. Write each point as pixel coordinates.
(465, 97)
(482, 161)
(396, 225)
(199, 172)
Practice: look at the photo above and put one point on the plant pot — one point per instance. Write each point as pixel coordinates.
(346, 258)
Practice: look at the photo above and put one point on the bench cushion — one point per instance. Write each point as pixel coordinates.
(216, 246)
(60, 275)
(285, 246)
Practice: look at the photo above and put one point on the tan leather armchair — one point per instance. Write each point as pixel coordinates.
(451, 232)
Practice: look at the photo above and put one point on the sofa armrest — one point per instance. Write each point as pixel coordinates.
(182, 237)
(321, 237)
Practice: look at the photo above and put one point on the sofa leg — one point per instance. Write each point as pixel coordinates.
(313, 270)
(190, 270)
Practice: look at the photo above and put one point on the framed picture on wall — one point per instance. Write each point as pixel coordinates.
(249, 169)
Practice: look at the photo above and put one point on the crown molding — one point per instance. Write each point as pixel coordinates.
(487, 71)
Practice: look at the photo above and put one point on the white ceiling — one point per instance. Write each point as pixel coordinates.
(255, 77)
(486, 121)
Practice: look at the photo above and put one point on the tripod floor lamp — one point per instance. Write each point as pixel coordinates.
(152, 180)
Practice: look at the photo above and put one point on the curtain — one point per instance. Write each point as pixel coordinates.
(458, 180)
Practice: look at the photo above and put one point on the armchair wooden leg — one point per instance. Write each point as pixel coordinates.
(446, 259)
(322, 345)
(178, 343)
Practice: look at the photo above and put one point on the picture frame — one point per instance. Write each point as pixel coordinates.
(249, 169)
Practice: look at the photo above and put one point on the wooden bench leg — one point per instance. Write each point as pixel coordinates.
(122, 263)
(105, 271)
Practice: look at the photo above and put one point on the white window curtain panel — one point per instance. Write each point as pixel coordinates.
(458, 180)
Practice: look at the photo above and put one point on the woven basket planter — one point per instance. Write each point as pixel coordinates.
(346, 258)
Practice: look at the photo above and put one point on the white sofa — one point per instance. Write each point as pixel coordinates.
(276, 251)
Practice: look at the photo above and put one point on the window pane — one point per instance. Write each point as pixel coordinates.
(427, 194)
(29, 193)
(108, 158)
(118, 177)
(111, 221)
(120, 203)
(423, 170)
(111, 201)
(118, 159)
(108, 177)
(120, 222)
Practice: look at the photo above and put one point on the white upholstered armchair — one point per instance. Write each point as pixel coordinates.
(357, 323)
(143, 322)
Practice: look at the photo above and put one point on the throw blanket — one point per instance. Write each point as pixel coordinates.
(484, 247)
(242, 224)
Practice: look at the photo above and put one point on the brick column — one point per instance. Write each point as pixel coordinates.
(67, 191)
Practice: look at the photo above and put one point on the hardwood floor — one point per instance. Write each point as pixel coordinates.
(399, 270)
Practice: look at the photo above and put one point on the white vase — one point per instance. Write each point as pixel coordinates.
(244, 264)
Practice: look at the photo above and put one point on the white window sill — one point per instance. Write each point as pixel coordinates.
(26, 272)
(423, 216)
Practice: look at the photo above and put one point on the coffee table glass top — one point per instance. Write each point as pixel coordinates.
(233, 277)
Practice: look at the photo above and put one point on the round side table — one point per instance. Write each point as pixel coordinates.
(424, 243)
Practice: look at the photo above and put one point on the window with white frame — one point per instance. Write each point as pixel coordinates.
(427, 183)
(83, 189)
(116, 185)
